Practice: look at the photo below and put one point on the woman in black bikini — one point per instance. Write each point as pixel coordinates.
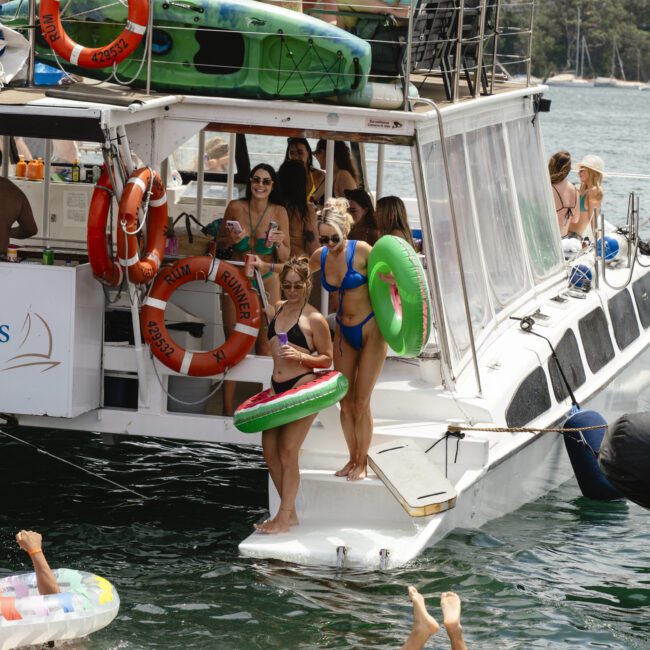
(308, 346)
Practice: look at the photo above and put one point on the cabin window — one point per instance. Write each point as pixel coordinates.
(624, 323)
(596, 341)
(568, 353)
(530, 401)
(535, 202)
(641, 289)
(446, 257)
(497, 217)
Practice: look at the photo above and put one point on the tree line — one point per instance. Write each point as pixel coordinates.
(602, 23)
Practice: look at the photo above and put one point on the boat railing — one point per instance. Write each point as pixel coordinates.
(484, 42)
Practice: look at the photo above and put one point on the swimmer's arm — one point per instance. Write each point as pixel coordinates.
(322, 342)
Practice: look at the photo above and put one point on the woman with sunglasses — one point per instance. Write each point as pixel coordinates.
(591, 170)
(346, 176)
(300, 150)
(302, 214)
(308, 346)
(359, 349)
(246, 229)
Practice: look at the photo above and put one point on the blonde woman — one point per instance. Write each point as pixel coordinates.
(565, 193)
(591, 170)
(359, 348)
(308, 346)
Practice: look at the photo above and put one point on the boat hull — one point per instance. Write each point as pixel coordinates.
(234, 47)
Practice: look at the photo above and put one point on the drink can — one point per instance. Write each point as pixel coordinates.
(273, 226)
(283, 339)
(249, 268)
(12, 253)
(48, 256)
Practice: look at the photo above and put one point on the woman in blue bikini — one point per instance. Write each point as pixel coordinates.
(359, 348)
(254, 214)
(308, 346)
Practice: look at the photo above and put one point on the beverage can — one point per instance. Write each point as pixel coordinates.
(273, 226)
(12, 253)
(48, 256)
(249, 268)
(283, 339)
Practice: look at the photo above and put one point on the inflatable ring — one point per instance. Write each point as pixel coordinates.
(86, 604)
(97, 57)
(103, 267)
(266, 410)
(142, 271)
(402, 310)
(236, 346)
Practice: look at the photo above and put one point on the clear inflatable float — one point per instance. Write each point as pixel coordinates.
(87, 603)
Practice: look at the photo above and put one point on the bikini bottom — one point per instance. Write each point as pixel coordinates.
(354, 333)
(283, 386)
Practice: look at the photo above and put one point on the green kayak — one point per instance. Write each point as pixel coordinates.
(239, 48)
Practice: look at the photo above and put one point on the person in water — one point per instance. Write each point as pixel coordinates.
(392, 218)
(246, 229)
(346, 176)
(425, 626)
(32, 543)
(308, 346)
(591, 170)
(359, 349)
(565, 193)
(299, 149)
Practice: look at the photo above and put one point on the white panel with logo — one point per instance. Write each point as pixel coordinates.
(50, 339)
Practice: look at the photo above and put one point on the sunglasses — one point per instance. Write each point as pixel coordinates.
(256, 180)
(334, 239)
(288, 286)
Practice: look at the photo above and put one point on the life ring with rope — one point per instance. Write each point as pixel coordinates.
(141, 181)
(103, 267)
(93, 57)
(237, 345)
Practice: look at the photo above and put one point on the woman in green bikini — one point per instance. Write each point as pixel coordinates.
(244, 228)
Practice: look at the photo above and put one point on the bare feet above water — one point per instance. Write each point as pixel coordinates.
(450, 605)
(281, 523)
(424, 625)
(346, 469)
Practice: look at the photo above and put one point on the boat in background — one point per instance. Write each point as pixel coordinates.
(577, 77)
(239, 48)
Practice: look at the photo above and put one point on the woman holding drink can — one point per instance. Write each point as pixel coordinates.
(255, 226)
(300, 343)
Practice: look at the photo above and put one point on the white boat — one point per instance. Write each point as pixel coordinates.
(493, 256)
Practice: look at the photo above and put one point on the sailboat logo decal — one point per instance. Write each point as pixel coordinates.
(34, 358)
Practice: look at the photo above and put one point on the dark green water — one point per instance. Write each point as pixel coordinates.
(563, 572)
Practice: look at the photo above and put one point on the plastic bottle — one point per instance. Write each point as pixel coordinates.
(76, 172)
(40, 169)
(32, 170)
(21, 167)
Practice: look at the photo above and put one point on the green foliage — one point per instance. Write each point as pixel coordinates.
(603, 22)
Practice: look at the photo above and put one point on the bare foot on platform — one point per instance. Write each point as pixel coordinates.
(281, 523)
(349, 466)
(450, 604)
(424, 625)
(358, 472)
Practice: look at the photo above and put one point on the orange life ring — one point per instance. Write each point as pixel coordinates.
(236, 346)
(93, 57)
(103, 267)
(142, 271)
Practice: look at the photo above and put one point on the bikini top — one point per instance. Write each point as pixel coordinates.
(569, 209)
(295, 334)
(352, 278)
(260, 246)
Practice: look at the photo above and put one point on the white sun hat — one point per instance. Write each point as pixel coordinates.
(591, 161)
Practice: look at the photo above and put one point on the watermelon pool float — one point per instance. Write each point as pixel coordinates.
(267, 410)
